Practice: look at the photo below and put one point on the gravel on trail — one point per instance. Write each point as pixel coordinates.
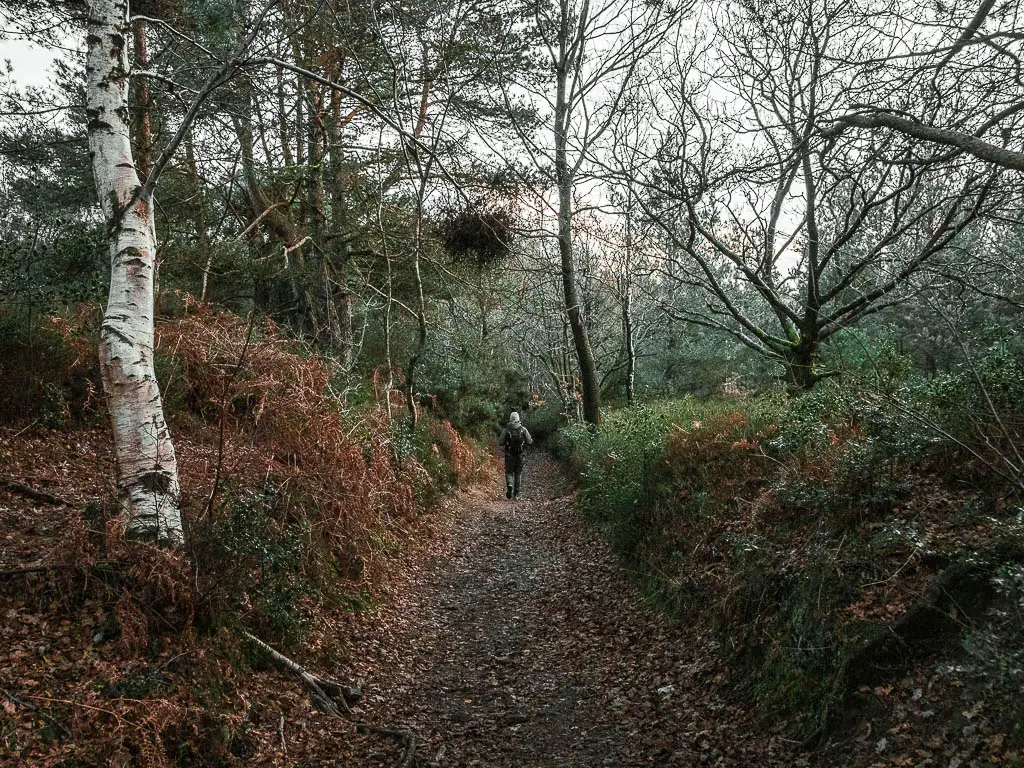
(517, 640)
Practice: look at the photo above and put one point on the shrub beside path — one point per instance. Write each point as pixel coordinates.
(518, 641)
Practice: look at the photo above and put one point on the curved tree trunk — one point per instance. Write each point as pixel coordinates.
(276, 220)
(564, 182)
(147, 475)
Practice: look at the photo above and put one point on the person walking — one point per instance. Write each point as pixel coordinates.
(514, 439)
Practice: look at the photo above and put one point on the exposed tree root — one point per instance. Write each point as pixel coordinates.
(327, 695)
(31, 493)
(402, 735)
(334, 699)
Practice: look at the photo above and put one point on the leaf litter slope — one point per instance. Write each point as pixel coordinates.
(518, 641)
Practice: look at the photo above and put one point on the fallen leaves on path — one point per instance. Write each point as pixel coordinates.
(518, 641)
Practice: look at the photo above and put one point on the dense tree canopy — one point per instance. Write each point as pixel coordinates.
(401, 185)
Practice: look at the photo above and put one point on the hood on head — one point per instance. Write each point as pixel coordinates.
(513, 419)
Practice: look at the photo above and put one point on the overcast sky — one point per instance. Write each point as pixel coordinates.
(31, 63)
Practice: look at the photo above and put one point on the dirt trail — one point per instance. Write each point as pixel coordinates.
(519, 642)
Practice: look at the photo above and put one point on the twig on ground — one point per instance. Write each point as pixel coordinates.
(23, 490)
(25, 429)
(894, 574)
(33, 708)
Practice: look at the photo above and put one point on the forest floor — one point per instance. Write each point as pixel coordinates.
(506, 634)
(516, 640)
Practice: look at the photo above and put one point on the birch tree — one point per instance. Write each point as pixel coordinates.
(147, 474)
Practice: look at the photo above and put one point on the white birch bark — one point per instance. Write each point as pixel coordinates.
(147, 475)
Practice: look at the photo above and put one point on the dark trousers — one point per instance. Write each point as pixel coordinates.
(514, 472)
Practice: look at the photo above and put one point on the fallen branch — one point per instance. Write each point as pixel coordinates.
(104, 567)
(327, 695)
(17, 702)
(333, 698)
(23, 490)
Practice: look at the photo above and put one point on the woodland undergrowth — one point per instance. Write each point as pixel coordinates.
(299, 507)
(858, 552)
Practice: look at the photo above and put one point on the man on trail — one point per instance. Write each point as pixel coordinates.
(514, 439)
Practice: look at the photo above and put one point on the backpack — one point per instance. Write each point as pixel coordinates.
(515, 441)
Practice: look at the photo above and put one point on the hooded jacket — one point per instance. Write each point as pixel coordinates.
(514, 425)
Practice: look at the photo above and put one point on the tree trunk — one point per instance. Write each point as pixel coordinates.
(147, 475)
(199, 216)
(282, 117)
(142, 129)
(482, 299)
(627, 333)
(342, 297)
(626, 299)
(801, 362)
(421, 314)
(569, 391)
(274, 217)
(564, 182)
(343, 300)
(387, 339)
(580, 337)
(325, 333)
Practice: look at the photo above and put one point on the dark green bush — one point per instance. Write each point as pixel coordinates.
(657, 468)
(49, 370)
(544, 420)
(477, 417)
(995, 651)
(265, 563)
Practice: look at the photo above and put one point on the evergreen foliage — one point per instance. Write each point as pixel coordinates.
(828, 536)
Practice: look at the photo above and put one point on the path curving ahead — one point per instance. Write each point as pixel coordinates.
(519, 642)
